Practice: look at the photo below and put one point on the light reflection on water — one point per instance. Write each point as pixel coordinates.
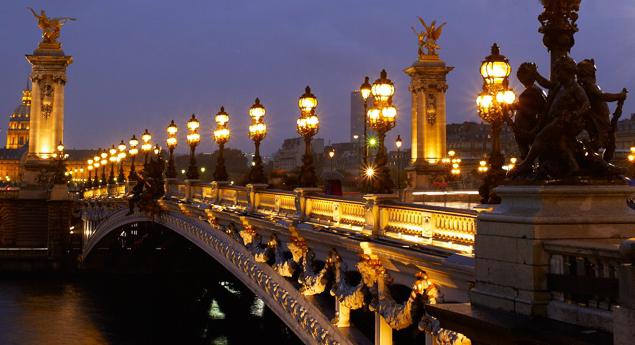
(133, 311)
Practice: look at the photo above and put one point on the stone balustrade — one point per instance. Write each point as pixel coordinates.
(452, 229)
(583, 280)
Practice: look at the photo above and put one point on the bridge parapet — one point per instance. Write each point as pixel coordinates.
(378, 216)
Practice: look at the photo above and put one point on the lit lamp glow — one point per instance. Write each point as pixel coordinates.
(493, 103)
(257, 132)
(171, 143)
(113, 159)
(146, 146)
(121, 156)
(193, 138)
(133, 151)
(103, 155)
(382, 118)
(308, 125)
(221, 136)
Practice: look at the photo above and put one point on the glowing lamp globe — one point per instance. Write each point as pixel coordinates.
(307, 102)
(383, 88)
(495, 68)
(366, 89)
(257, 110)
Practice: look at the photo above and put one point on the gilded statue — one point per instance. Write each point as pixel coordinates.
(428, 38)
(50, 26)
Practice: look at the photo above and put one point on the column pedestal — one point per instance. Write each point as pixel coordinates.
(511, 262)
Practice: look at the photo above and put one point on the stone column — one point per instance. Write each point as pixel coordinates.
(301, 195)
(511, 263)
(373, 224)
(343, 315)
(253, 189)
(46, 128)
(188, 188)
(383, 331)
(428, 86)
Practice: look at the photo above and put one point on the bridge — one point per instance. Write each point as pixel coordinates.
(291, 247)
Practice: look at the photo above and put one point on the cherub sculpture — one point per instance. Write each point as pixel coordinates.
(50, 26)
(555, 144)
(600, 126)
(530, 109)
(428, 38)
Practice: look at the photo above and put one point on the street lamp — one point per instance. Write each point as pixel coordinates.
(113, 159)
(257, 132)
(193, 138)
(482, 167)
(146, 147)
(365, 90)
(134, 143)
(331, 155)
(221, 136)
(398, 144)
(171, 142)
(308, 125)
(89, 166)
(121, 156)
(60, 156)
(104, 162)
(382, 118)
(493, 105)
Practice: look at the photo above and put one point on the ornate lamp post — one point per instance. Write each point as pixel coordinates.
(133, 151)
(308, 125)
(121, 156)
(221, 136)
(104, 162)
(365, 90)
(89, 166)
(382, 118)
(493, 104)
(193, 138)
(113, 159)
(96, 165)
(146, 147)
(331, 155)
(171, 143)
(398, 144)
(257, 132)
(60, 156)
(558, 26)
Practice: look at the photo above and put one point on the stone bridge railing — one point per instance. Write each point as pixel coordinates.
(379, 216)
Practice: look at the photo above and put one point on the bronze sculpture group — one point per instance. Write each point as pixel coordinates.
(567, 135)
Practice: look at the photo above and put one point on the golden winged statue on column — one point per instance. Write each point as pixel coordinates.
(428, 38)
(50, 26)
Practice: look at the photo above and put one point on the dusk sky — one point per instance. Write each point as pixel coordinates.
(138, 64)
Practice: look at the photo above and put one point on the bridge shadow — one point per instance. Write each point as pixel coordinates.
(167, 290)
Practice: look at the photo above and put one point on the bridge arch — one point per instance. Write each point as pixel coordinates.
(303, 318)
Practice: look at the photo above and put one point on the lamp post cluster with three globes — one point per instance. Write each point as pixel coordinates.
(494, 103)
(257, 132)
(382, 117)
(308, 125)
(171, 142)
(193, 138)
(221, 136)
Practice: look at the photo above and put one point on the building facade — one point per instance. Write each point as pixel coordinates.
(289, 156)
(18, 128)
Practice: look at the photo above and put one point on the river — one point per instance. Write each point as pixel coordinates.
(133, 309)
